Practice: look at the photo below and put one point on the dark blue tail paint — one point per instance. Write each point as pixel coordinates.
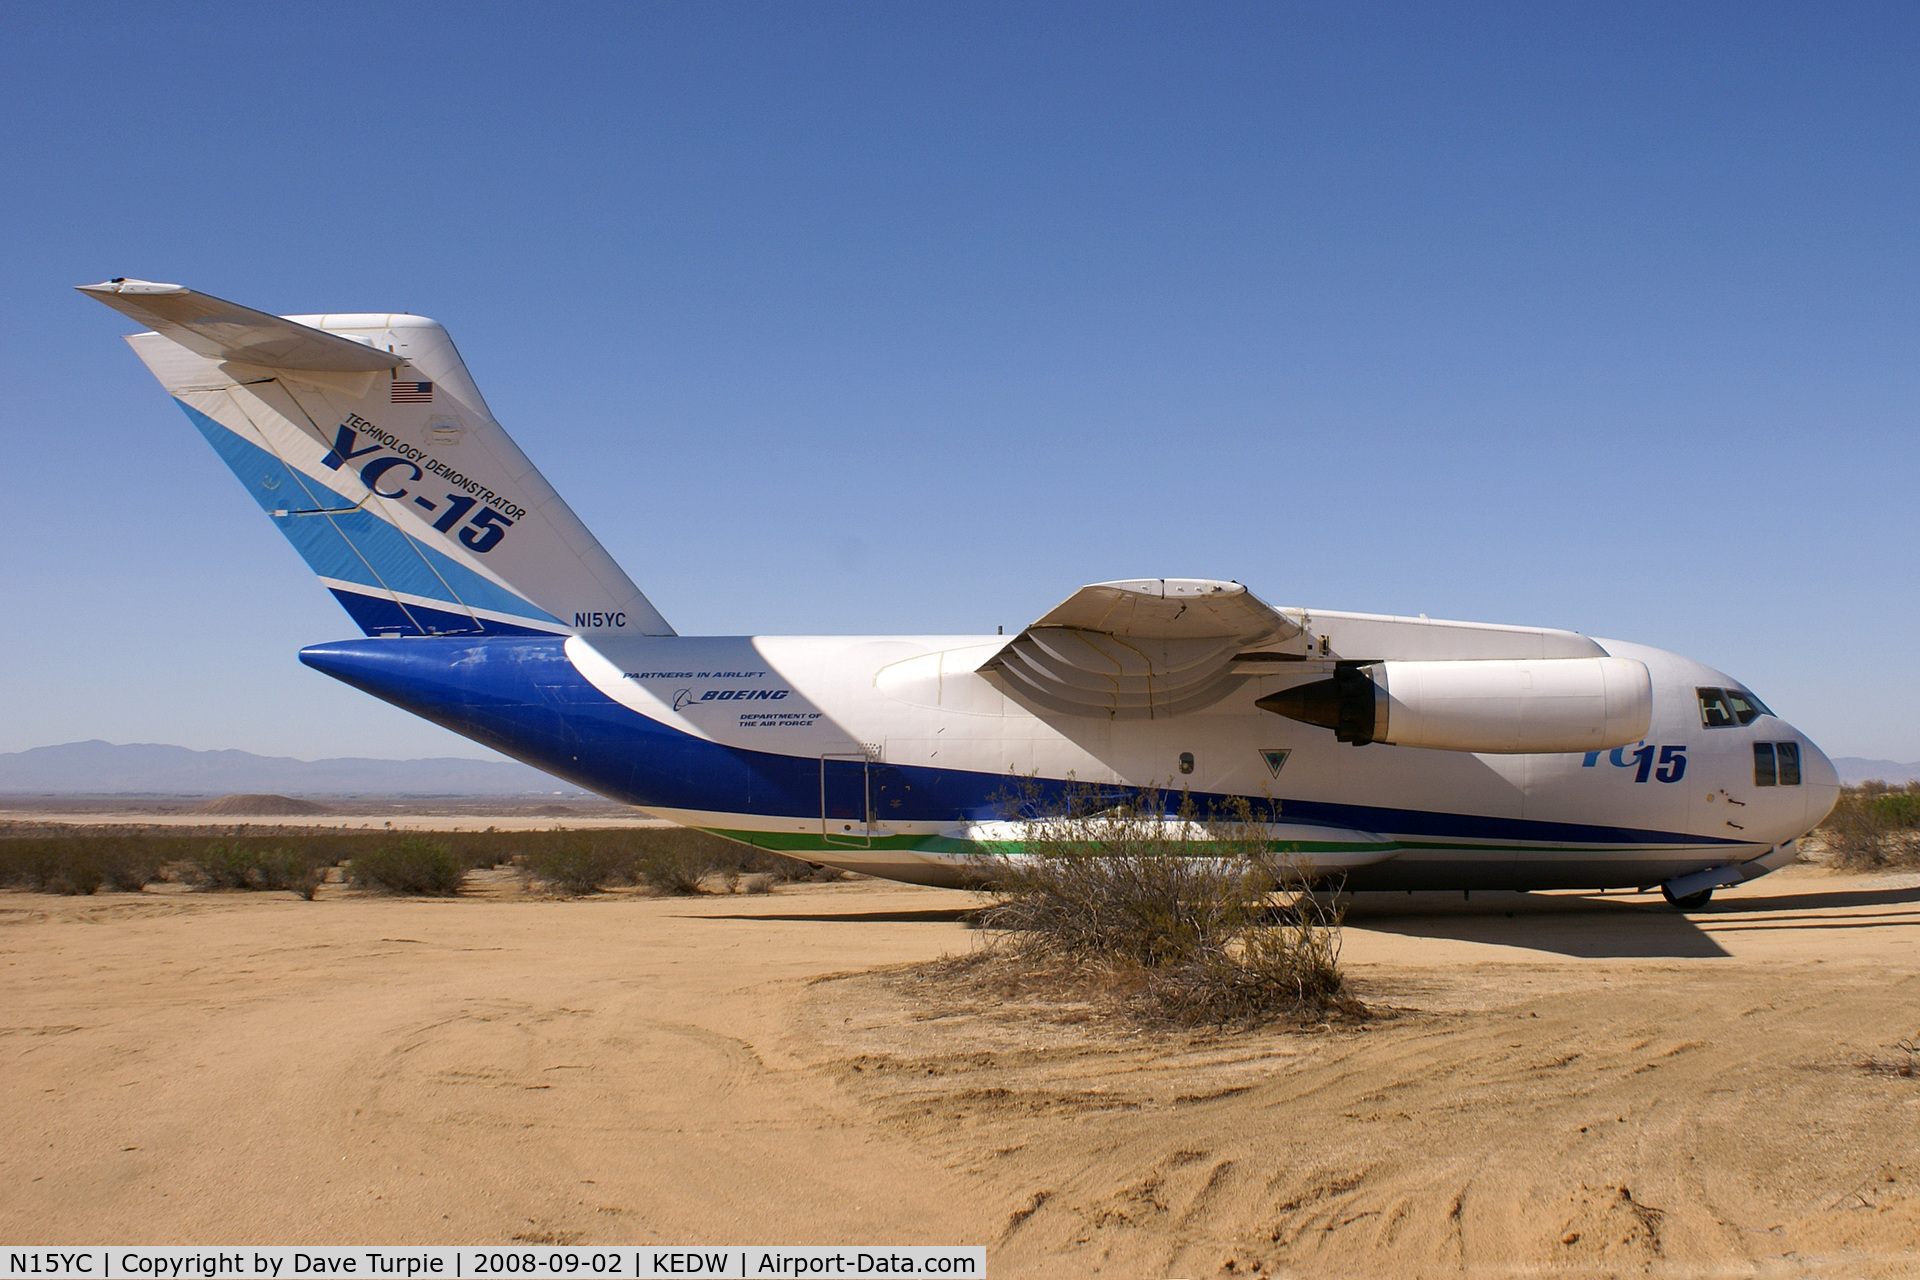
(385, 615)
(524, 698)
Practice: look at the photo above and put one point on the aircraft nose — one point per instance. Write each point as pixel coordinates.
(1821, 780)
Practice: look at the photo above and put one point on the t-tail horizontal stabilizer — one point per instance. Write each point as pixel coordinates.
(366, 441)
(220, 330)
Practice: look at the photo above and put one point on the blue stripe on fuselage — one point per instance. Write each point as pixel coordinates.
(525, 698)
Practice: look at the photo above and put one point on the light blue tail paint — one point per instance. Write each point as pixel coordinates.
(387, 580)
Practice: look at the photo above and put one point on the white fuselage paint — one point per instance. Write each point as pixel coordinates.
(917, 701)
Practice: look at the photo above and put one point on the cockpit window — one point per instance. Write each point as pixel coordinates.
(1725, 708)
(1776, 764)
(1789, 764)
(1714, 711)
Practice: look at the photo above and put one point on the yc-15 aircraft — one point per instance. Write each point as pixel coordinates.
(1404, 753)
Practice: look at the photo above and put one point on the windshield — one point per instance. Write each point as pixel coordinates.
(1725, 708)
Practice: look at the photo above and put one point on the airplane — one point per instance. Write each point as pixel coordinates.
(1404, 753)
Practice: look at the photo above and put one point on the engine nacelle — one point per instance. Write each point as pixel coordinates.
(1503, 706)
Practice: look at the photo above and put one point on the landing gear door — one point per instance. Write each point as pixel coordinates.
(846, 799)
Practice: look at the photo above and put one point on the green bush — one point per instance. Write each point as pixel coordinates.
(224, 865)
(1899, 809)
(414, 865)
(240, 864)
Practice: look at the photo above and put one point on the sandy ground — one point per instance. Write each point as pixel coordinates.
(1564, 1085)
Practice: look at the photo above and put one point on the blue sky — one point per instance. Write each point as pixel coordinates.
(914, 318)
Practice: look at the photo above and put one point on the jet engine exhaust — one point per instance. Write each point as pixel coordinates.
(1344, 704)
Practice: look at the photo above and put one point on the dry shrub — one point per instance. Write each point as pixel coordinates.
(1907, 1066)
(1873, 827)
(414, 865)
(1288, 966)
(82, 870)
(577, 867)
(129, 867)
(677, 870)
(83, 859)
(671, 860)
(80, 864)
(1194, 920)
(792, 870)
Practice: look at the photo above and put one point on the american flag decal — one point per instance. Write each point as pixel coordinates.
(412, 393)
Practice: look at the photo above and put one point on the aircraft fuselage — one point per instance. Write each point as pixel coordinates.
(888, 754)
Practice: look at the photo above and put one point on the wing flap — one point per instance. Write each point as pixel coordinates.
(1137, 649)
(1166, 609)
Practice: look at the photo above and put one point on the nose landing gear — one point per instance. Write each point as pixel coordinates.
(1694, 890)
(1687, 902)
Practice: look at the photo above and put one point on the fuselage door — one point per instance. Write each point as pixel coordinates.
(846, 799)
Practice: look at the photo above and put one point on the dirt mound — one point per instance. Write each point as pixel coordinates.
(262, 806)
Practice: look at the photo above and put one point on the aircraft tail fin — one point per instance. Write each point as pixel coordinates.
(366, 441)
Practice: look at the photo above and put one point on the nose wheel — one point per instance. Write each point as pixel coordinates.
(1687, 902)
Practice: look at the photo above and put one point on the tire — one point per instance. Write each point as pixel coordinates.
(1692, 902)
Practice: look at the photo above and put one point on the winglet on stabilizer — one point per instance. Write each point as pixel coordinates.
(222, 330)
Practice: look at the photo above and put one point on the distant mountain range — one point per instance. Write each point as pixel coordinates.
(105, 769)
(1855, 769)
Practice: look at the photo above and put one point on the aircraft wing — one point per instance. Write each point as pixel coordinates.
(1137, 649)
(221, 330)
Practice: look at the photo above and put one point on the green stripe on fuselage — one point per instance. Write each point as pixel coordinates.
(948, 846)
(812, 842)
